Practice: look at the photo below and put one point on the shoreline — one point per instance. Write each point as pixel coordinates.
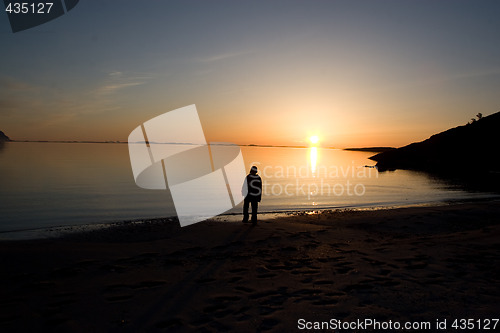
(62, 231)
(402, 264)
(405, 264)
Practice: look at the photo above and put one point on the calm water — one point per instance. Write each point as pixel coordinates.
(57, 184)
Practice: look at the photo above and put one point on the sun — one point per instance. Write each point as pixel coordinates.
(314, 139)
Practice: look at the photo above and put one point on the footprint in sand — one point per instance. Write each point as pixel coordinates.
(148, 284)
(60, 303)
(220, 306)
(119, 292)
(268, 324)
(204, 280)
(325, 302)
(244, 289)
(114, 268)
(344, 267)
(305, 272)
(173, 323)
(119, 298)
(373, 262)
(235, 279)
(277, 267)
(149, 254)
(41, 285)
(65, 272)
(266, 275)
(322, 282)
(358, 287)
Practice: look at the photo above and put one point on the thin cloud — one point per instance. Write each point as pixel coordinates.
(223, 56)
(447, 78)
(7, 104)
(15, 95)
(117, 81)
(111, 88)
(8, 84)
(480, 73)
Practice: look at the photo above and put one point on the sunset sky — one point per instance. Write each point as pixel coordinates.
(354, 73)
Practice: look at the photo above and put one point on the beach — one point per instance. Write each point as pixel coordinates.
(418, 264)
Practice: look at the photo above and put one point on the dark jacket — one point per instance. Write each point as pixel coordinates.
(254, 187)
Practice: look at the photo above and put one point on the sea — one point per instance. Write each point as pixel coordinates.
(50, 185)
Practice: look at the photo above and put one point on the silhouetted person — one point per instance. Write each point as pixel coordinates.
(253, 194)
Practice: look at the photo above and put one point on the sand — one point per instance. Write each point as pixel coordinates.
(410, 264)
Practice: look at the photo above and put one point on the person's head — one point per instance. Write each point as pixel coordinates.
(253, 170)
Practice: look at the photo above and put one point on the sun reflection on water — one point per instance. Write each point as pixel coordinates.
(314, 160)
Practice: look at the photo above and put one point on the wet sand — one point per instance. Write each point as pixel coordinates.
(408, 264)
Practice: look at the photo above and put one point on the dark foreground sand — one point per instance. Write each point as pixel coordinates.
(412, 264)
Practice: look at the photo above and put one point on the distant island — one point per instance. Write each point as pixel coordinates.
(371, 149)
(4, 138)
(470, 150)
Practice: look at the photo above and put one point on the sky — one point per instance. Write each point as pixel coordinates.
(354, 73)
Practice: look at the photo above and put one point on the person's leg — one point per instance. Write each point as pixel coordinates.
(245, 210)
(255, 206)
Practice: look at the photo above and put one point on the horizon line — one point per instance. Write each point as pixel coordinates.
(189, 143)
